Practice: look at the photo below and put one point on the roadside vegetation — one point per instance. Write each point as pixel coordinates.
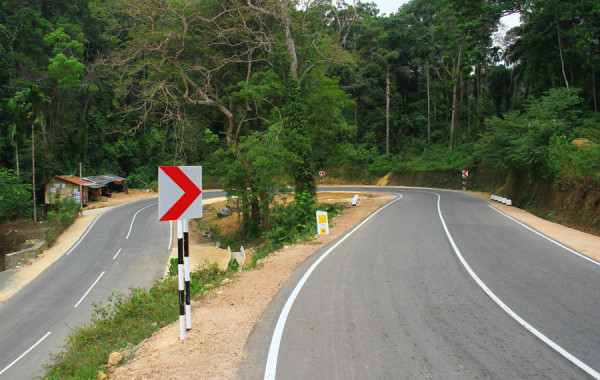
(124, 321)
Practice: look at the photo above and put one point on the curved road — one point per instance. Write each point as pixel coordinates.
(435, 285)
(126, 246)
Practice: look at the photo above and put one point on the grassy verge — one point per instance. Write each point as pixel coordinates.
(124, 322)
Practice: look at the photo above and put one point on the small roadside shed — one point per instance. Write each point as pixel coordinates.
(67, 186)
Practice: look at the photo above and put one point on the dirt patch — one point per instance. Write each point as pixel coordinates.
(384, 181)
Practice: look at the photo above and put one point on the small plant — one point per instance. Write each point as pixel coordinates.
(233, 265)
(49, 236)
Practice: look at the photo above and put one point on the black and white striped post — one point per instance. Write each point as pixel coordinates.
(186, 265)
(180, 271)
(173, 205)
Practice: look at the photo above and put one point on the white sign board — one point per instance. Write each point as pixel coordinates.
(322, 223)
(179, 192)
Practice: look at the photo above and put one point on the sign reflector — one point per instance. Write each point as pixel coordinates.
(179, 192)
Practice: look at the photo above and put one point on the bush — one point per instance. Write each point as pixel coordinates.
(15, 197)
(568, 160)
(67, 212)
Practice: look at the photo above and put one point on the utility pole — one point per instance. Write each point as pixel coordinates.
(33, 173)
(80, 193)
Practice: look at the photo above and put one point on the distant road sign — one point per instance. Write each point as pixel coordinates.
(179, 192)
(322, 173)
(465, 174)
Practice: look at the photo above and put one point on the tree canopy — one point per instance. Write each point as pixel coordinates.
(265, 93)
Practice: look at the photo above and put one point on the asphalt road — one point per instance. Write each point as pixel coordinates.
(436, 285)
(125, 247)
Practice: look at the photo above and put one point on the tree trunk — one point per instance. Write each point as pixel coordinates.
(428, 106)
(17, 157)
(594, 84)
(291, 46)
(455, 93)
(387, 110)
(33, 173)
(562, 60)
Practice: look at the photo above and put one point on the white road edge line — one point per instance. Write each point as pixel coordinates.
(508, 310)
(133, 220)
(546, 237)
(119, 251)
(83, 237)
(25, 353)
(271, 366)
(86, 293)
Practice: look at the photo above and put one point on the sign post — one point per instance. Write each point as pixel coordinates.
(321, 175)
(180, 278)
(465, 175)
(180, 198)
(186, 268)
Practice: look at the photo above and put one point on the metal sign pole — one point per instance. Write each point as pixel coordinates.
(180, 277)
(186, 264)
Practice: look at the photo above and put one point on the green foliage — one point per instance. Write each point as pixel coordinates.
(66, 214)
(68, 71)
(295, 135)
(567, 160)
(15, 196)
(233, 265)
(520, 142)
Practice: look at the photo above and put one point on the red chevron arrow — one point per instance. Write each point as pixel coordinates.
(190, 192)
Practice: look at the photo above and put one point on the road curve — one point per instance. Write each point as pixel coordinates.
(436, 285)
(116, 253)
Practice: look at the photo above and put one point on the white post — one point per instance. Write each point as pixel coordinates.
(186, 264)
(181, 279)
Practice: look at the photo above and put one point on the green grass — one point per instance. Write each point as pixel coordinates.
(123, 322)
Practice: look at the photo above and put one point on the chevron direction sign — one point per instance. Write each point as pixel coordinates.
(179, 192)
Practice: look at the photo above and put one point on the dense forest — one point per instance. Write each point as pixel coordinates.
(265, 93)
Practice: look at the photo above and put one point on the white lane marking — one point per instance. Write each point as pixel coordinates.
(508, 310)
(119, 251)
(271, 366)
(86, 293)
(546, 237)
(133, 220)
(84, 235)
(25, 353)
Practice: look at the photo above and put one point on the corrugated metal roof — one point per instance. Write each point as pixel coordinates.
(74, 179)
(105, 179)
(93, 181)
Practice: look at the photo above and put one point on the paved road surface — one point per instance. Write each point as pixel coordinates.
(125, 247)
(396, 300)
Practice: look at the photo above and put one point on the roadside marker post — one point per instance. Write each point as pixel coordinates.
(321, 175)
(186, 267)
(322, 223)
(180, 270)
(180, 198)
(465, 175)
